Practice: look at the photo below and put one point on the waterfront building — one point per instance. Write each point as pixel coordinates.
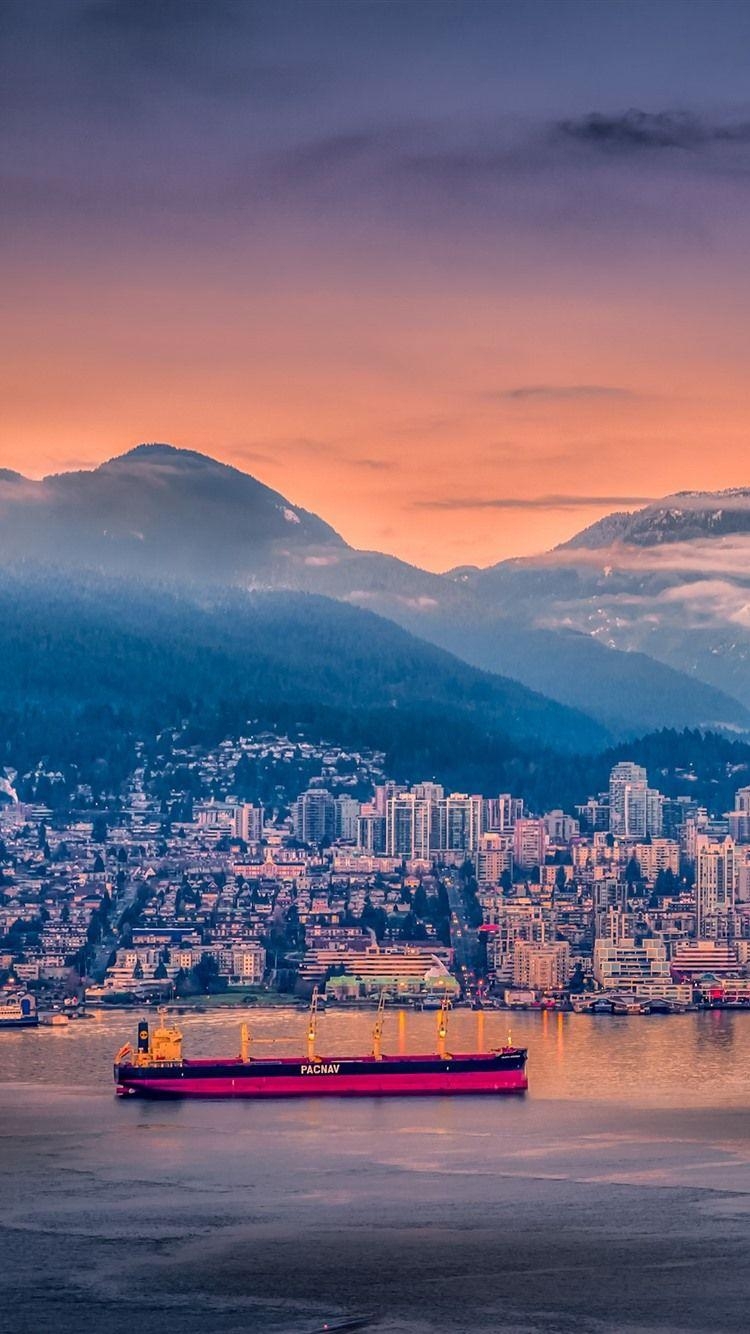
(397, 967)
(513, 921)
(694, 958)
(626, 962)
(541, 967)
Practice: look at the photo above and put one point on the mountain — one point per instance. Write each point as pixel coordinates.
(597, 625)
(89, 669)
(671, 581)
(686, 516)
(155, 509)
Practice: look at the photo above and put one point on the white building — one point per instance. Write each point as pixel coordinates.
(640, 966)
(715, 887)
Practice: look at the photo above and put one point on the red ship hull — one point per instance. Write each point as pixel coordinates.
(502, 1072)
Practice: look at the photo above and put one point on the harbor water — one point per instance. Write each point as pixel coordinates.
(614, 1196)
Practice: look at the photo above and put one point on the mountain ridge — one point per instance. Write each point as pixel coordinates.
(158, 512)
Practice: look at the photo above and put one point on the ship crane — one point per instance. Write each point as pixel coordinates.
(312, 1026)
(377, 1032)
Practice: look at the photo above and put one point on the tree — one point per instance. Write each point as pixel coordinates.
(98, 864)
(633, 871)
(419, 902)
(206, 975)
(576, 983)
(99, 829)
(665, 884)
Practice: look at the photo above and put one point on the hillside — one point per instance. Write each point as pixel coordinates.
(87, 671)
(155, 511)
(623, 642)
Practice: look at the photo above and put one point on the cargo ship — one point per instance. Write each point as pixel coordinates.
(157, 1069)
(18, 1012)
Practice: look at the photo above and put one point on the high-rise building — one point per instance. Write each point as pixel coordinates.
(412, 826)
(428, 792)
(494, 856)
(371, 832)
(248, 822)
(400, 825)
(654, 813)
(314, 816)
(529, 843)
(500, 813)
(635, 809)
(345, 820)
(460, 823)
(561, 828)
(715, 888)
(739, 818)
(383, 794)
(628, 784)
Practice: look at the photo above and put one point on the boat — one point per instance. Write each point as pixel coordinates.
(157, 1069)
(18, 1012)
(54, 1019)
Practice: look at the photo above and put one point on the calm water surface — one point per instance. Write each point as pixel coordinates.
(615, 1196)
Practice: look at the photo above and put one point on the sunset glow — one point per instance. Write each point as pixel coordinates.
(456, 294)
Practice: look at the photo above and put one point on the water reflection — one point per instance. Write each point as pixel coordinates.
(689, 1060)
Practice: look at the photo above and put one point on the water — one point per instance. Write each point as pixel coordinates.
(615, 1196)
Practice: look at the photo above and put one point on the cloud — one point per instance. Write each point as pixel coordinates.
(374, 465)
(636, 131)
(725, 557)
(550, 502)
(561, 392)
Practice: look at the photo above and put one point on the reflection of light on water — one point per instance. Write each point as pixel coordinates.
(480, 1043)
(682, 1060)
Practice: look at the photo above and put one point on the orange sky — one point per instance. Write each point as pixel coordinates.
(402, 420)
(444, 279)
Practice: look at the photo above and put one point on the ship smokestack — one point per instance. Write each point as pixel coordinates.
(143, 1036)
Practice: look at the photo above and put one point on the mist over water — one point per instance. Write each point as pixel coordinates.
(615, 1196)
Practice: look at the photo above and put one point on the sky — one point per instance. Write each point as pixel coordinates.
(460, 277)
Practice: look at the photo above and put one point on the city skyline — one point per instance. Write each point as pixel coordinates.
(462, 277)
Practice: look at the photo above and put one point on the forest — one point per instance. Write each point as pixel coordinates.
(88, 672)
